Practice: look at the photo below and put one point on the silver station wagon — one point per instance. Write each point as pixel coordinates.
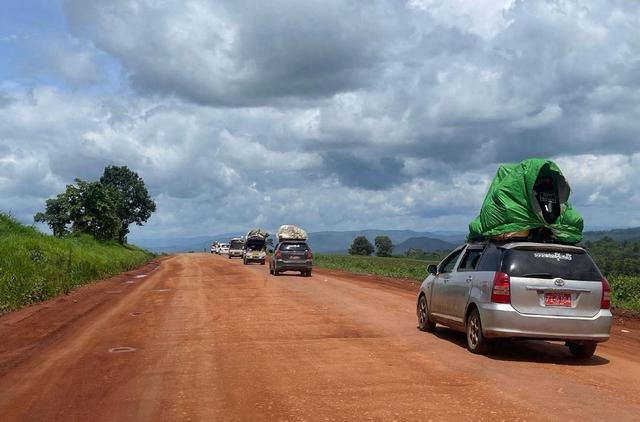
(518, 290)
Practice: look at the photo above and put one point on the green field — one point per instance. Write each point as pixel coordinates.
(626, 289)
(35, 266)
(415, 269)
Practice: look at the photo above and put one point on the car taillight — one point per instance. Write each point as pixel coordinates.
(309, 255)
(605, 302)
(501, 292)
(278, 255)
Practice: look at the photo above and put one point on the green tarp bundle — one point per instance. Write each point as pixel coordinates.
(527, 196)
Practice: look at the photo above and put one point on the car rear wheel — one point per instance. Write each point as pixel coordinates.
(308, 273)
(582, 350)
(424, 322)
(476, 341)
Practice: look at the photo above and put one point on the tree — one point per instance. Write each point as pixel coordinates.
(133, 203)
(87, 207)
(55, 215)
(361, 246)
(384, 246)
(93, 209)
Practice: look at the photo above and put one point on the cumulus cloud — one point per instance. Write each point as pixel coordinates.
(234, 52)
(332, 114)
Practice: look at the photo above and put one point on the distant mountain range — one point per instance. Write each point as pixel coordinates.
(335, 242)
(338, 242)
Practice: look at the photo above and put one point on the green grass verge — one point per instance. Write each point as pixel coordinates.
(415, 269)
(625, 292)
(626, 289)
(35, 266)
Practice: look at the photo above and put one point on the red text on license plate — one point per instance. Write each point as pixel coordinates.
(557, 299)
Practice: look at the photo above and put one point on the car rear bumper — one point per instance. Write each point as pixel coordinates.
(235, 253)
(502, 320)
(255, 258)
(294, 265)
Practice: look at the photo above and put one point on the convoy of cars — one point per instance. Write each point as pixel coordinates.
(291, 253)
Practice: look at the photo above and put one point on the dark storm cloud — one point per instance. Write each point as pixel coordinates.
(236, 52)
(356, 172)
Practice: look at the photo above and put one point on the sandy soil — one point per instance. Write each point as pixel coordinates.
(202, 337)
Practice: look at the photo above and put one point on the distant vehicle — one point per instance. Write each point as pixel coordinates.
(214, 247)
(518, 290)
(291, 255)
(223, 249)
(236, 247)
(255, 247)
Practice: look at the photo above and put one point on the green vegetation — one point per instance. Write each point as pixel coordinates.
(35, 266)
(390, 267)
(620, 262)
(384, 246)
(614, 257)
(361, 246)
(417, 253)
(104, 209)
(625, 292)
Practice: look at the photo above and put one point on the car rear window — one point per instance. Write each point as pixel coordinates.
(237, 244)
(255, 245)
(294, 247)
(538, 263)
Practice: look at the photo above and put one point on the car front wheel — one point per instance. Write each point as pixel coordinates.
(424, 322)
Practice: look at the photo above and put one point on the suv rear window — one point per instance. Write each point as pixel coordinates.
(541, 263)
(294, 247)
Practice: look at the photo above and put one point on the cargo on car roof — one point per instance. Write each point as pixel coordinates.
(290, 232)
(528, 200)
(257, 234)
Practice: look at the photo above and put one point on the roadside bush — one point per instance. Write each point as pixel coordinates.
(625, 292)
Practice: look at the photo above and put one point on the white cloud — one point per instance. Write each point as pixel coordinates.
(390, 115)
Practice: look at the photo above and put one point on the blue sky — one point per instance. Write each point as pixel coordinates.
(329, 114)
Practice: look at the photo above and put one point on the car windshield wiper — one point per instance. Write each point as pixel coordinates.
(538, 275)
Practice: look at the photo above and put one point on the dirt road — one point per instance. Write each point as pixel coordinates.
(201, 337)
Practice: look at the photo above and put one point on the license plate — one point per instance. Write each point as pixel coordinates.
(557, 299)
(295, 257)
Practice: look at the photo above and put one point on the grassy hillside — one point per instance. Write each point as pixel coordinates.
(35, 266)
(415, 269)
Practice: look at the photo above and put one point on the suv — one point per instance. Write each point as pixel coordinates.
(518, 290)
(291, 256)
(223, 249)
(236, 246)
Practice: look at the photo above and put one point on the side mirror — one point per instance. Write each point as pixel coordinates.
(432, 269)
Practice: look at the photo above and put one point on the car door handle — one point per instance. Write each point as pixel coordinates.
(445, 280)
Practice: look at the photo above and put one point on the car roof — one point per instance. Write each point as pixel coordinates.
(547, 246)
(525, 245)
